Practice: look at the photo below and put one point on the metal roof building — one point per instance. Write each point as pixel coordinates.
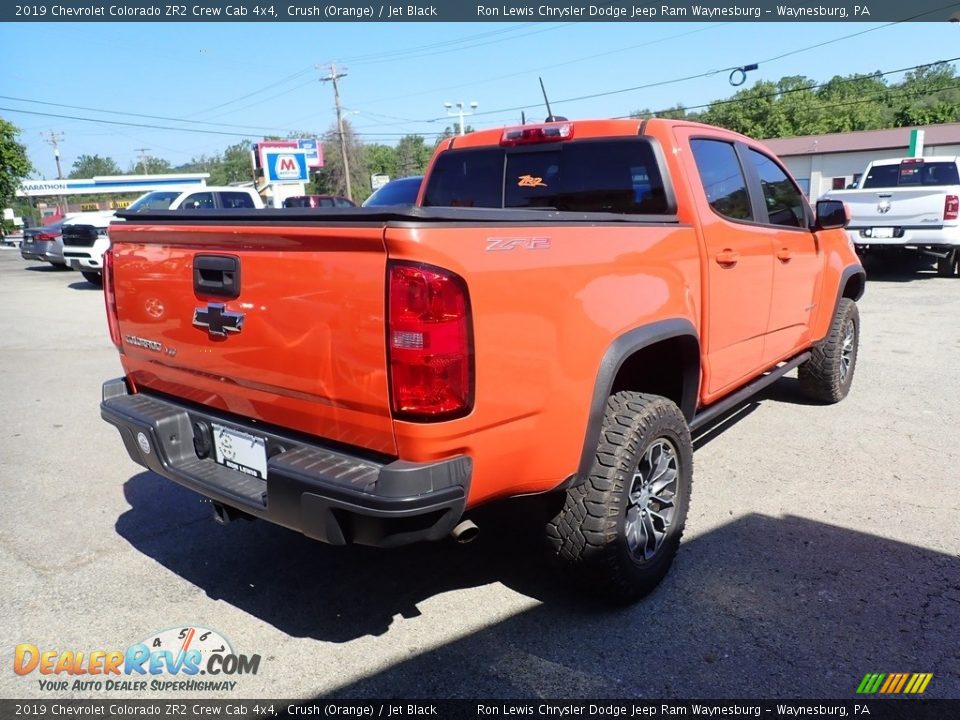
(832, 162)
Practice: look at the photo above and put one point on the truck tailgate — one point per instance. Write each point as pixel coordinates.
(299, 342)
(894, 207)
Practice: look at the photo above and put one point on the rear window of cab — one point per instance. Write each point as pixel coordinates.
(612, 176)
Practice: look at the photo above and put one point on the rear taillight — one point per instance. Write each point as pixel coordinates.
(430, 344)
(110, 299)
(951, 207)
(45, 236)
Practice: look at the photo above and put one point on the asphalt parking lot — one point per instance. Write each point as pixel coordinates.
(823, 543)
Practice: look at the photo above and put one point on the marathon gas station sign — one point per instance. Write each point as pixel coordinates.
(111, 184)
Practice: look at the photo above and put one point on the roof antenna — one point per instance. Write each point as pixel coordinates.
(550, 116)
(523, 118)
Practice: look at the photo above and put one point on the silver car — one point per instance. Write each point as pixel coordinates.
(44, 244)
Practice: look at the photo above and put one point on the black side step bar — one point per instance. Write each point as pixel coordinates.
(729, 403)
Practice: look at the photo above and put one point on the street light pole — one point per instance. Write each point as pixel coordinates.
(460, 112)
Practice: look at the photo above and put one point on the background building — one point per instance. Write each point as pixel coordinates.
(832, 162)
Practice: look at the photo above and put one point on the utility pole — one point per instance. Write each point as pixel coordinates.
(143, 159)
(333, 77)
(54, 142)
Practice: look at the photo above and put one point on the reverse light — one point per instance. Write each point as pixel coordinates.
(951, 207)
(429, 343)
(110, 299)
(530, 134)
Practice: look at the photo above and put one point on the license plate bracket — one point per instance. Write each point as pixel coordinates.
(240, 451)
(882, 232)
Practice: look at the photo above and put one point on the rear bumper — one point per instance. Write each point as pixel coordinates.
(80, 260)
(945, 236)
(332, 495)
(37, 250)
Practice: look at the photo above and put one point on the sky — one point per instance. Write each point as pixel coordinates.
(245, 80)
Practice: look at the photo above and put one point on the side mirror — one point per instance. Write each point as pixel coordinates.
(831, 214)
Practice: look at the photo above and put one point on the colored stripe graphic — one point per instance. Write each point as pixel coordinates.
(894, 683)
(870, 683)
(890, 683)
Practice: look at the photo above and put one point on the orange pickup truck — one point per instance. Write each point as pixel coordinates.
(563, 305)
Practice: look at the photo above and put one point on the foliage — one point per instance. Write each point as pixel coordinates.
(232, 166)
(331, 178)
(412, 154)
(14, 165)
(88, 166)
(798, 105)
(381, 160)
(150, 166)
(450, 131)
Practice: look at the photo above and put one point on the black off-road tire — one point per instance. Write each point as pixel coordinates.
(591, 535)
(950, 265)
(94, 278)
(827, 375)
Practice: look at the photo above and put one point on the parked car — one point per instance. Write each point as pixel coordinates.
(907, 205)
(396, 193)
(566, 304)
(44, 244)
(318, 201)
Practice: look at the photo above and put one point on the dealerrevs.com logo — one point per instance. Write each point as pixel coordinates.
(183, 659)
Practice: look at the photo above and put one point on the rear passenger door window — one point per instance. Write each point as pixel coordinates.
(722, 178)
(236, 201)
(783, 200)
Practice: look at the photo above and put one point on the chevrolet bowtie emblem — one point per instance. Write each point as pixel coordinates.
(218, 320)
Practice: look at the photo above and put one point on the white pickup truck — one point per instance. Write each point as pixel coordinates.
(907, 204)
(85, 236)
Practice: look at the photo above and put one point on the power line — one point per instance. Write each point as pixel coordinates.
(890, 92)
(266, 99)
(709, 73)
(447, 46)
(159, 127)
(789, 91)
(271, 86)
(552, 66)
(141, 115)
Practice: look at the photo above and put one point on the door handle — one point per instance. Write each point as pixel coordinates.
(784, 255)
(216, 275)
(728, 257)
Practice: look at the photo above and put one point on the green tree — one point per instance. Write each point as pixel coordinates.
(677, 112)
(14, 164)
(88, 166)
(381, 159)
(855, 102)
(236, 164)
(412, 155)
(331, 178)
(150, 166)
(928, 95)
